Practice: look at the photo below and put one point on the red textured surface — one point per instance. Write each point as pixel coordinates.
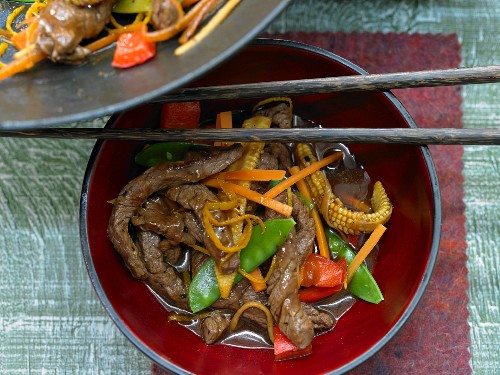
(436, 337)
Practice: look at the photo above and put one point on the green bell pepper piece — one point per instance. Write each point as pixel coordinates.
(132, 6)
(165, 151)
(204, 289)
(362, 285)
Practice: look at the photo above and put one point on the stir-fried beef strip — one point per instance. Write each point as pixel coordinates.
(155, 215)
(63, 25)
(254, 314)
(162, 176)
(279, 114)
(283, 285)
(233, 302)
(149, 242)
(164, 275)
(282, 154)
(268, 162)
(194, 197)
(197, 260)
(213, 326)
(165, 13)
(322, 320)
(171, 251)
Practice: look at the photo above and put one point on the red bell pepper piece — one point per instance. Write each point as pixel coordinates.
(185, 115)
(286, 349)
(322, 272)
(132, 49)
(314, 294)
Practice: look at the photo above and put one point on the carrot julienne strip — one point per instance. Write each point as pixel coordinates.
(320, 230)
(252, 195)
(103, 42)
(250, 175)
(224, 120)
(255, 278)
(272, 193)
(20, 65)
(364, 251)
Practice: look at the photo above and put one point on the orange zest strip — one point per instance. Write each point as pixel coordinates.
(320, 230)
(224, 120)
(249, 175)
(236, 317)
(170, 32)
(21, 64)
(252, 195)
(364, 251)
(285, 184)
(11, 17)
(242, 241)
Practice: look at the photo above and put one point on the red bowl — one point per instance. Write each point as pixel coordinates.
(407, 251)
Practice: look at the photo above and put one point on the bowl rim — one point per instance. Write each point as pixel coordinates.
(435, 242)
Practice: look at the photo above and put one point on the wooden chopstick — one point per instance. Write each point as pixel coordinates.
(420, 136)
(370, 82)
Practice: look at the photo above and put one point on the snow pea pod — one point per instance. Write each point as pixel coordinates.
(204, 290)
(164, 151)
(362, 285)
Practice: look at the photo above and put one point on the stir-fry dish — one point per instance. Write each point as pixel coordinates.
(252, 244)
(68, 30)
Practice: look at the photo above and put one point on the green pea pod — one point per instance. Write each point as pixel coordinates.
(362, 285)
(204, 290)
(165, 151)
